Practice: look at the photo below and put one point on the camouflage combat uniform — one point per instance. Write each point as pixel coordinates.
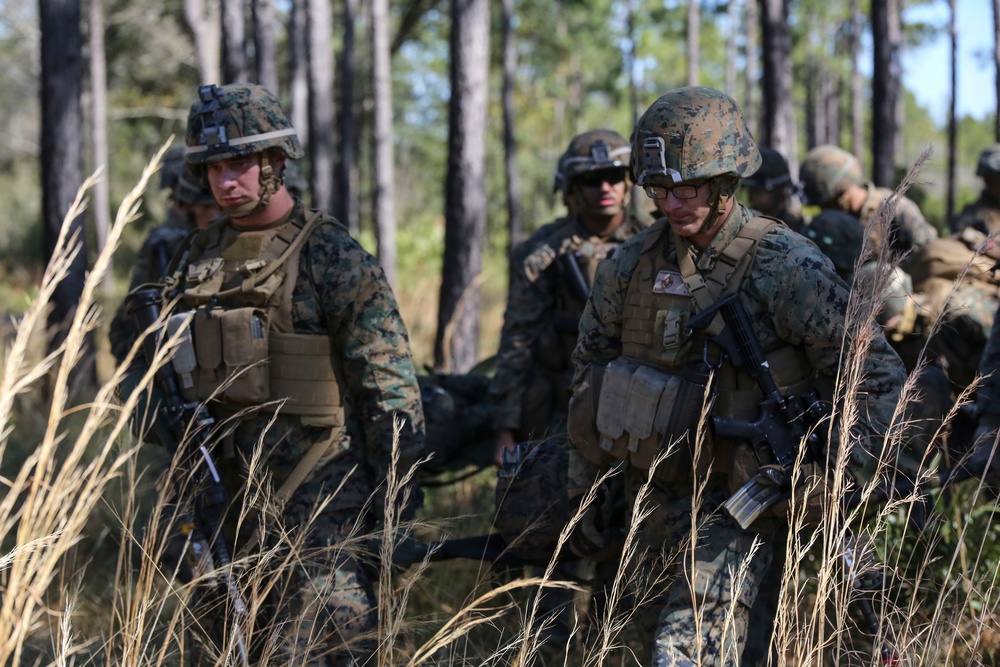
(636, 316)
(909, 229)
(531, 386)
(341, 292)
(988, 395)
(982, 215)
(299, 347)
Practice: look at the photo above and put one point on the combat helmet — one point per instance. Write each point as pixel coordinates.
(237, 120)
(828, 172)
(591, 151)
(989, 161)
(773, 172)
(192, 190)
(173, 167)
(691, 134)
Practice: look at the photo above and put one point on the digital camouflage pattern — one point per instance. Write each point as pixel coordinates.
(794, 297)
(530, 389)
(908, 229)
(827, 172)
(983, 215)
(703, 133)
(340, 292)
(222, 124)
(591, 151)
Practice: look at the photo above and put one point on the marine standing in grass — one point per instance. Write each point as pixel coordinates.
(550, 277)
(690, 150)
(295, 324)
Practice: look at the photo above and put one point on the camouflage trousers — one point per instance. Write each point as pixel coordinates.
(307, 585)
(715, 573)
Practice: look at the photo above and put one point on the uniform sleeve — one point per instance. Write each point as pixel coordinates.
(367, 332)
(809, 303)
(528, 313)
(910, 228)
(599, 342)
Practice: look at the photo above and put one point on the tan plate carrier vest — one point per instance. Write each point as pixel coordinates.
(648, 400)
(238, 304)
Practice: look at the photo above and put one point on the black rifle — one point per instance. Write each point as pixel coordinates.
(571, 270)
(190, 426)
(784, 421)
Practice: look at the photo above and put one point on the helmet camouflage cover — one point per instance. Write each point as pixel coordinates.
(989, 161)
(773, 172)
(591, 151)
(691, 134)
(827, 172)
(237, 120)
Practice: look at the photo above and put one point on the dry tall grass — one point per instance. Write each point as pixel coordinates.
(81, 489)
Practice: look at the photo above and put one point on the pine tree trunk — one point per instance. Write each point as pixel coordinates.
(321, 115)
(204, 25)
(778, 124)
(952, 119)
(234, 49)
(455, 347)
(752, 57)
(265, 61)
(385, 206)
(693, 41)
(857, 84)
(99, 92)
(347, 198)
(885, 86)
(509, 135)
(298, 67)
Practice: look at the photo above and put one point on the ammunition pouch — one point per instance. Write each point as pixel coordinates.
(641, 411)
(231, 350)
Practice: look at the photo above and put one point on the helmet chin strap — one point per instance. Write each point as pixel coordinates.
(722, 190)
(269, 184)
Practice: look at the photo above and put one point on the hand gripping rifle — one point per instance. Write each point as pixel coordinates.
(190, 426)
(780, 429)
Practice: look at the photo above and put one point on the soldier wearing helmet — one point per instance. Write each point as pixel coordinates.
(771, 192)
(831, 178)
(192, 206)
(983, 215)
(299, 347)
(550, 277)
(642, 377)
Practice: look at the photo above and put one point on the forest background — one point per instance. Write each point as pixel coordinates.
(805, 72)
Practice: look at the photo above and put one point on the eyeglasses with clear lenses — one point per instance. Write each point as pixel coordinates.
(678, 191)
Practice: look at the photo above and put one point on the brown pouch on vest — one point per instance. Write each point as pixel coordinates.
(581, 420)
(244, 353)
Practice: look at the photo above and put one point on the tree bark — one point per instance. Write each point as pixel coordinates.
(509, 135)
(321, 115)
(857, 84)
(265, 61)
(385, 206)
(751, 82)
(203, 22)
(778, 123)
(99, 91)
(693, 41)
(732, 49)
(234, 49)
(952, 119)
(885, 87)
(62, 158)
(347, 198)
(298, 67)
(456, 342)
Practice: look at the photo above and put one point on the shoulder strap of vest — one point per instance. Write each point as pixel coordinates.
(732, 266)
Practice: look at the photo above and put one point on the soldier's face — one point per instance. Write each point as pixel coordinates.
(600, 198)
(695, 219)
(235, 183)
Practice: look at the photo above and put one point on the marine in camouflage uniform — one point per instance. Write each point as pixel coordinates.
(831, 178)
(335, 354)
(691, 147)
(770, 190)
(983, 215)
(988, 406)
(192, 207)
(550, 278)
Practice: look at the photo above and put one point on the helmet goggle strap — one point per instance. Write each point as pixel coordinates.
(722, 190)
